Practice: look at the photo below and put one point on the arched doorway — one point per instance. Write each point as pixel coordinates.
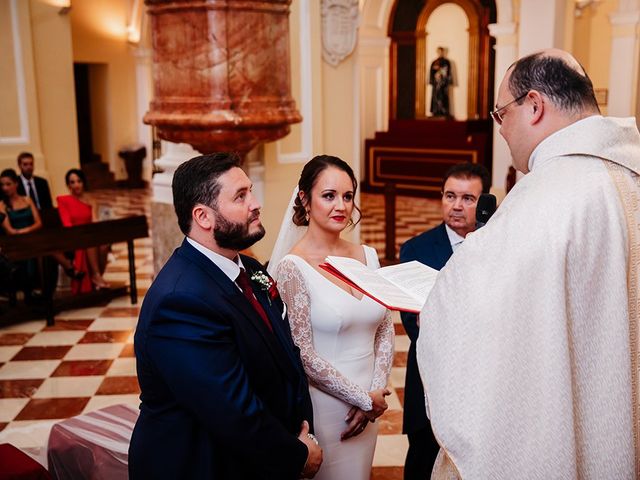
(413, 155)
(409, 43)
(446, 31)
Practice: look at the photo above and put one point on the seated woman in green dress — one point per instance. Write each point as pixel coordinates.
(21, 216)
(21, 213)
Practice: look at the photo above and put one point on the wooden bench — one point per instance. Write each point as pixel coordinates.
(49, 240)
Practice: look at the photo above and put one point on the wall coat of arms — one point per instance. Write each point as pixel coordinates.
(339, 29)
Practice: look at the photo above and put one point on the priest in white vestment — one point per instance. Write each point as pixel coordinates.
(528, 346)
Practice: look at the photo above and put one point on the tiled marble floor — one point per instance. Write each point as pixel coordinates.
(86, 361)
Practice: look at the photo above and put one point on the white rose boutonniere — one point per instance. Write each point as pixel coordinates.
(266, 284)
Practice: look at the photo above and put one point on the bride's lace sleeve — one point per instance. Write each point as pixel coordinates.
(321, 373)
(383, 346)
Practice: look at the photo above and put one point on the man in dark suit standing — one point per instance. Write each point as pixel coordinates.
(224, 394)
(31, 186)
(461, 187)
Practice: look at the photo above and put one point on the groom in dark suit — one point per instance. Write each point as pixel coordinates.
(461, 187)
(224, 394)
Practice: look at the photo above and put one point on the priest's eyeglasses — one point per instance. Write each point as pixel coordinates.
(497, 116)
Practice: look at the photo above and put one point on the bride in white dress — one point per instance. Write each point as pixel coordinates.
(345, 339)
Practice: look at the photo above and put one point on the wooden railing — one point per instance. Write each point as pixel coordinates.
(46, 241)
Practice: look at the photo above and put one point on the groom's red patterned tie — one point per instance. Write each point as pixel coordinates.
(245, 284)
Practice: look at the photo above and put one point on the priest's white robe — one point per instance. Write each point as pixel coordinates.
(528, 346)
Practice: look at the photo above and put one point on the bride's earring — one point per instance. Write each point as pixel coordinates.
(306, 216)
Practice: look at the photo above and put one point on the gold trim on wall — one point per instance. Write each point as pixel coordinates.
(393, 83)
(421, 75)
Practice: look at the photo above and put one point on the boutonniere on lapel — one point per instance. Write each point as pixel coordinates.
(266, 284)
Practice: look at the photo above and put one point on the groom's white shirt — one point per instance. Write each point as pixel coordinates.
(230, 268)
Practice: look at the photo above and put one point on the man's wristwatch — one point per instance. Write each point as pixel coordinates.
(313, 438)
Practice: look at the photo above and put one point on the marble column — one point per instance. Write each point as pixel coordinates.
(221, 73)
(221, 84)
(506, 49)
(166, 234)
(623, 70)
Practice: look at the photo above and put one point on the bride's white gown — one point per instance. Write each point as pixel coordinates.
(346, 345)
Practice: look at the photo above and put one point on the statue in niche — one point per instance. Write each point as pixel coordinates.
(440, 78)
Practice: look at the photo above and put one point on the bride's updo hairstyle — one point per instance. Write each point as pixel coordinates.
(308, 178)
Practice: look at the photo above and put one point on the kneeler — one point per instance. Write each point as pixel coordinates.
(17, 465)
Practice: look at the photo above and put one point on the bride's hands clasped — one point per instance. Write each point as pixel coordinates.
(378, 403)
(357, 419)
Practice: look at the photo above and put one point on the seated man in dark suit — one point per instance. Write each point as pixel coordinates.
(31, 186)
(224, 394)
(37, 188)
(461, 187)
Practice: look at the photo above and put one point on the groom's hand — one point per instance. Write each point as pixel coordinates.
(314, 458)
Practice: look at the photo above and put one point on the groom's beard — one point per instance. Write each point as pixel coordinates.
(236, 236)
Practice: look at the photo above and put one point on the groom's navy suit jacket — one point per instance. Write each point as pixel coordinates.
(222, 396)
(432, 248)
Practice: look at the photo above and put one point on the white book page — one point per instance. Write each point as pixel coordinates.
(376, 285)
(414, 277)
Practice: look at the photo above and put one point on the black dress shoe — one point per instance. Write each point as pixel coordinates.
(33, 298)
(74, 274)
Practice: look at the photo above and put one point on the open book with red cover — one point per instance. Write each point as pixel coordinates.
(402, 287)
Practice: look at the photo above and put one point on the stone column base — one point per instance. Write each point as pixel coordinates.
(165, 233)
